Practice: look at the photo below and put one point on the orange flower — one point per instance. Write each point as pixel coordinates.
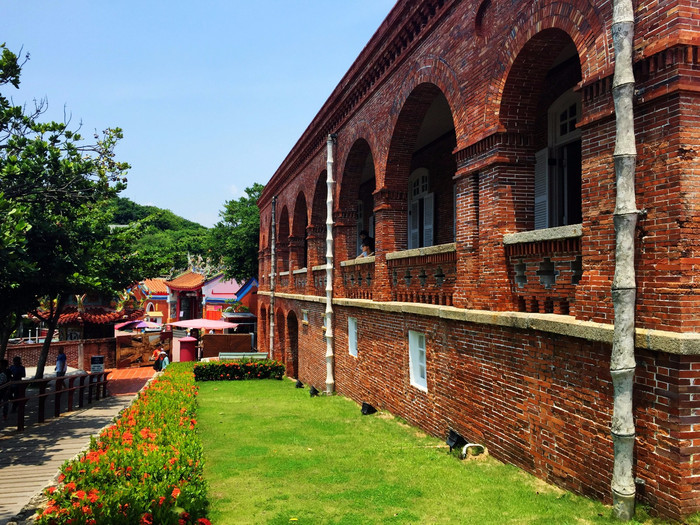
(175, 493)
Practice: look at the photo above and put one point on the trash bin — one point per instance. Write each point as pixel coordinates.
(188, 349)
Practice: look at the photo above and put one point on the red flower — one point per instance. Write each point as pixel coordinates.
(175, 493)
(203, 521)
(147, 519)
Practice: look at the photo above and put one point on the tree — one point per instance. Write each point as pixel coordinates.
(56, 190)
(236, 237)
(622, 362)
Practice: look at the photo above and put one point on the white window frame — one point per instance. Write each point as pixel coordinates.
(417, 360)
(352, 336)
(545, 180)
(419, 193)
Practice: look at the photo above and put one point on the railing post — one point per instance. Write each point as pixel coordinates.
(41, 402)
(81, 392)
(71, 381)
(59, 386)
(91, 387)
(20, 393)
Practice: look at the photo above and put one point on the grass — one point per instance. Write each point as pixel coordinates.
(275, 455)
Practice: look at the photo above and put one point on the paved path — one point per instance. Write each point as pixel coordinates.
(29, 460)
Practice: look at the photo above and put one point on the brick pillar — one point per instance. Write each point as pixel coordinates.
(390, 235)
(344, 246)
(316, 246)
(467, 238)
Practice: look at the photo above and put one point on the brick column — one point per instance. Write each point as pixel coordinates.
(467, 238)
(390, 235)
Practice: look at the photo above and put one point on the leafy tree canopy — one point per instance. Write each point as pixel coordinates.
(55, 238)
(236, 236)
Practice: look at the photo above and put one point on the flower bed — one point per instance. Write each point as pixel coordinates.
(146, 468)
(235, 370)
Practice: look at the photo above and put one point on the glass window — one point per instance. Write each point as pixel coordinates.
(417, 360)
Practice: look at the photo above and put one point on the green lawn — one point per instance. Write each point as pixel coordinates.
(276, 455)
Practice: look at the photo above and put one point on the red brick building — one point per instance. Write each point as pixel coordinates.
(474, 142)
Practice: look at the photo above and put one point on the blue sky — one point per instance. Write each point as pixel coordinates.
(211, 95)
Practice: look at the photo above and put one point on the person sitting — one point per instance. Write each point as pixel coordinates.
(364, 237)
(366, 250)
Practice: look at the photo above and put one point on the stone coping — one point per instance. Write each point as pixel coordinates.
(680, 343)
(319, 267)
(547, 234)
(299, 271)
(421, 252)
(356, 262)
(283, 274)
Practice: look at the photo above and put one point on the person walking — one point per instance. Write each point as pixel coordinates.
(61, 365)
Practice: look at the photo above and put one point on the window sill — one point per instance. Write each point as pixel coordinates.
(420, 252)
(546, 234)
(355, 262)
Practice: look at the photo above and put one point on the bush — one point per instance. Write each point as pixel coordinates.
(145, 468)
(235, 370)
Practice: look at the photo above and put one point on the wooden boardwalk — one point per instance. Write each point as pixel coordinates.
(29, 460)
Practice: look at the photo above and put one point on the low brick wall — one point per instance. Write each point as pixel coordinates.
(537, 399)
(78, 353)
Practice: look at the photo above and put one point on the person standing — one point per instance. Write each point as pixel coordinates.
(17, 373)
(61, 365)
(164, 361)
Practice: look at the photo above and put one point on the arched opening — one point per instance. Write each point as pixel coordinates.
(292, 362)
(421, 165)
(282, 243)
(263, 340)
(279, 352)
(316, 233)
(298, 246)
(540, 101)
(357, 198)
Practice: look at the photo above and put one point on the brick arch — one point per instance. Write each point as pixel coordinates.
(362, 131)
(584, 25)
(524, 85)
(278, 352)
(403, 138)
(318, 204)
(292, 348)
(352, 172)
(428, 69)
(300, 219)
(263, 321)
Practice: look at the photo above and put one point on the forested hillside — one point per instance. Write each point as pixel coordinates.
(167, 237)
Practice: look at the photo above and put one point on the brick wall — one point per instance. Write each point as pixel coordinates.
(538, 400)
(29, 353)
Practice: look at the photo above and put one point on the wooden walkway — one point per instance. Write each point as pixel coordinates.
(29, 460)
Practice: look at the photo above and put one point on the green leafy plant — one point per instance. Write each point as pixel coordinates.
(236, 370)
(146, 468)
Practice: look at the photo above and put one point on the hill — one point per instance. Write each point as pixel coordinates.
(166, 237)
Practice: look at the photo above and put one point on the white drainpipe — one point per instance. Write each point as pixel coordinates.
(273, 263)
(330, 183)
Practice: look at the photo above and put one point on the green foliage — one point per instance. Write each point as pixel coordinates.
(55, 234)
(145, 468)
(166, 239)
(237, 370)
(235, 239)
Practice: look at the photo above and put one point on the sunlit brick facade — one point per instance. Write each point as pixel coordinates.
(474, 143)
